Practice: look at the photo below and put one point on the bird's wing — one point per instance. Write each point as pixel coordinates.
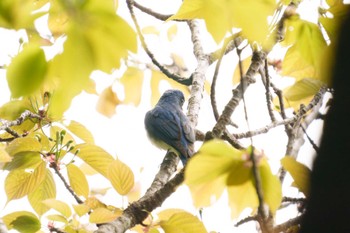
(164, 125)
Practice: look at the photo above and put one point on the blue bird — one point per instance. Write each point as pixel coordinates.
(168, 127)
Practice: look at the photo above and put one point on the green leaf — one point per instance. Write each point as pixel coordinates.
(22, 221)
(303, 59)
(60, 206)
(23, 144)
(57, 218)
(215, 158)
(241, 197)
(13, 109)
(299, 172)
(4, 156)
(46, 190)
(77, 180)
(24, 160)
(81, 209)
(221, 16)
(27, 71)
(302, 89)
(207, 193)
(20, 182)
(182, 222)
(95, 156)
(271, 187)
(81, 131)
(103, 215)
(121, 177)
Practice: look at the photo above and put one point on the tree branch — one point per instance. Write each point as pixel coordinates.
(159, 191)
(163, 69)
(296, 137)
(237, 94)
(286, 225)
(198, 75)
(151, 12)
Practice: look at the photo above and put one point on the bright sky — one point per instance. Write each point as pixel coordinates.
(124, 136)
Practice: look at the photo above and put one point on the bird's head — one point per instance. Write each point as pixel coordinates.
(172, 97)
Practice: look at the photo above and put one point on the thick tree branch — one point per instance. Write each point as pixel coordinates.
(237, 94)
(294, 222)
(159, 191)
(198, 76)
(296, 137)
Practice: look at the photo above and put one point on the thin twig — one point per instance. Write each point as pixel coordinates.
(213, 84)
(163, 69)
(287, 225)
(237, 94)
(151, 12)
(268, 93)
(265, 129)
(310, 140)
(245, 220)
(55, 167)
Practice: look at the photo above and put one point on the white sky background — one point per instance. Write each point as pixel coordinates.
(124, 136)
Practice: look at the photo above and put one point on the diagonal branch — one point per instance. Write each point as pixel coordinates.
(163, 69)
(151, 12)
(159, 191)
(237, 94)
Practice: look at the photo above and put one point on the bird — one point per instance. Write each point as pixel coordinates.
(168, 127)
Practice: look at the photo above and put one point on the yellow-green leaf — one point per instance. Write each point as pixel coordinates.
(103, 215)
(24, 160)
(241, 197)
(59, 206)
(57, 218)
(132, 81)
(271, 187)
(150, 30)
(13, 109)
(107, 102)
(303, 59)
(215, 158)
(23, 144)
(121, 177)
(172, 31)
(87, 169)
(94, 203)
(46, 190)
(95, 156)
(20, 182)
(81, 209)
(207, 193)
(299, 172)
(183, 222)
(27, 71)
(302, 89)
(22, 221)
(77, 180)
(4, 156)
(221, 16)
(81, 131)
